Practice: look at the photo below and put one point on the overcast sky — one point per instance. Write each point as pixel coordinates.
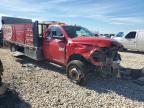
(105, 16)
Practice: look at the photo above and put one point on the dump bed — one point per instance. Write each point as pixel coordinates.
(18, 30)
(25, 35)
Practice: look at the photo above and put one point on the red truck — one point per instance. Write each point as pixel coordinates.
(71, 46)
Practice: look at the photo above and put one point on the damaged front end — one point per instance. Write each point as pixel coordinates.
(107, 60)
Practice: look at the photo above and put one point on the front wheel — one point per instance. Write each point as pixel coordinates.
(76, 71)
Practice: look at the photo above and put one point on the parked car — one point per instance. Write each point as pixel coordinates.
(133, 40)
(106, 35)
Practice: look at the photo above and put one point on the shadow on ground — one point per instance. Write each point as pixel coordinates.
(41, 64)
(12, 100)
(125, 88)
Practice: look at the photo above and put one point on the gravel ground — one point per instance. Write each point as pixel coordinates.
(46, 86)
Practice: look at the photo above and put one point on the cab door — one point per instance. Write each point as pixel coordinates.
(130, 40)
(55, 45)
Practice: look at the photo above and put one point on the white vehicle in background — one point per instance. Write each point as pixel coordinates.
(133, 40)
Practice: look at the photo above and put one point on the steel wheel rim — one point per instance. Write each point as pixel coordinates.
(74, 73)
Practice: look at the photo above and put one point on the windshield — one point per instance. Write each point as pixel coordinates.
(76, 31)
(120, 34)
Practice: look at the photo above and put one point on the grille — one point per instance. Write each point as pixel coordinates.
(104, 54)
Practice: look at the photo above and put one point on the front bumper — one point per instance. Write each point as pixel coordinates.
(106, 61)
(105, 57)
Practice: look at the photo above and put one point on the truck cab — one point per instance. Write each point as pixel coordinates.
(77, 48)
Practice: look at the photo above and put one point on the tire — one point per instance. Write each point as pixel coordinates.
(76, 72)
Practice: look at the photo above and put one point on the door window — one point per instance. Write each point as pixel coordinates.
(56, 32)
(131, 35)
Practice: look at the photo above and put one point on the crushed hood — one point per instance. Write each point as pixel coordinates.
(96, 41)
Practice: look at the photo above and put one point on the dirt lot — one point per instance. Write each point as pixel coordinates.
(43, 85)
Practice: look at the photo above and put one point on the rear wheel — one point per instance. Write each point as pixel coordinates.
(76, 71)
